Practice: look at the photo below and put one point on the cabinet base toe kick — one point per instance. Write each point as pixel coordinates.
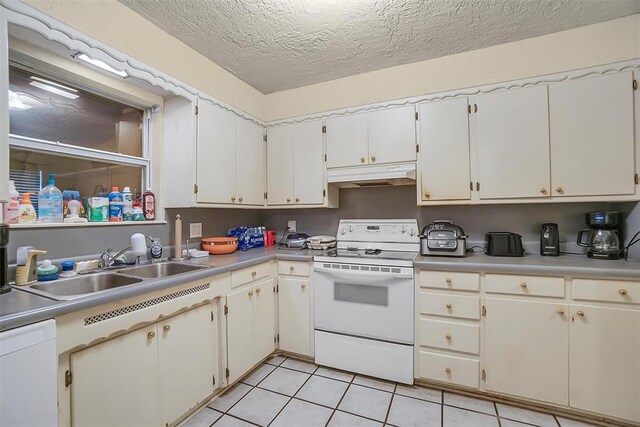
(381, 359)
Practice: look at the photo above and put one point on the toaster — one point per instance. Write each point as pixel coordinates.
(503, 244)
(443, 238)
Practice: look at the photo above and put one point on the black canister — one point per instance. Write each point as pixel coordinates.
(4, 259)
(549, 240)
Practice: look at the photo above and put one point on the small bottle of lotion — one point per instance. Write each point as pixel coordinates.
(27, 213)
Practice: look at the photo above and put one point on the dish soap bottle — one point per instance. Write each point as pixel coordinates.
(50, 202)
(115, 205)
(27, 213)
(127, 199)
(11, 211)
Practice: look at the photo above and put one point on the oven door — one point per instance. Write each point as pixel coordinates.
(364, 301)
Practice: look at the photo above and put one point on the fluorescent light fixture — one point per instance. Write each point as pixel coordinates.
(15, 102)
(54, 90)
(100, 64)
(50, 83)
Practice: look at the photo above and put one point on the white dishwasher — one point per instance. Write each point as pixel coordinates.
(28, 392)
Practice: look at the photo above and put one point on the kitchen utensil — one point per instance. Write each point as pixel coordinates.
(297, 240)
(549, 239)
(443, 238)
(604, 235)
(503, 244)
(321, 243)
(220, 245)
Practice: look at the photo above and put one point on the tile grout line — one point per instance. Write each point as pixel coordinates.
(441, 408)
(495, 408)
(340, 401)
(393, 394)
(294, 394)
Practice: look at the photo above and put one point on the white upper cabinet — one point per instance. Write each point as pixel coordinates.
(347, 143)
(592, 136)
(279, 166)
(513, 144)
(250, 163)
(296, 166)
(378, 137)
(443, 160)
(216, 154)
(308, 163)
(392, 135)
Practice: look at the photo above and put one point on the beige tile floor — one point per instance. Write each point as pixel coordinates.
(292, 393)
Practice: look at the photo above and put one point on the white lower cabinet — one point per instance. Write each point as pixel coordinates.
(149, 377)
(527, 349)
(605, 361)
(294, 305)
(250, 327)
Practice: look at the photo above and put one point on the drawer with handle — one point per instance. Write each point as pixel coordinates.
(540, 286)
(449, 369)
(449, 305)
(606, 290)
(446, 280)
(250, 274)
(293, 268)
(447, 335)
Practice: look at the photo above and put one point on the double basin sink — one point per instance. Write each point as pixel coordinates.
(79, 286)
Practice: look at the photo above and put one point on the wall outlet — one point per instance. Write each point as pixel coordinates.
(195, 230)
(292, 226)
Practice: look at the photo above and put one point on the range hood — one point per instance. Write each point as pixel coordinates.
(373, 175)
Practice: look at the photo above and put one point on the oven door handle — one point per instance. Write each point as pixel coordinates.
(373, 275)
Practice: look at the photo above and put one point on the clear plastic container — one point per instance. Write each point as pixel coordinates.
(50, 203)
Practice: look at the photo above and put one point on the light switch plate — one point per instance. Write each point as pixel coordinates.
(195, 230)
(292, 226)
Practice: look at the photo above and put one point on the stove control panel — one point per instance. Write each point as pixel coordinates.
(391, 231)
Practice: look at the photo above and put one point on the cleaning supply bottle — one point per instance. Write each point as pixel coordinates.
(116, 206)
(127, 198)
(137, 214)
(11, 209)
(27, 213)
(50, 202)
(149, 205)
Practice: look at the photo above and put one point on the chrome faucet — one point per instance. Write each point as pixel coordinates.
(138, 244)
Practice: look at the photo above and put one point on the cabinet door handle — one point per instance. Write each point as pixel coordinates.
(580, 313)
(250, 293)
(622, 292)
(543, 190)
(302, 285)
(448, 370)
(291, 268)
(253, 274)
(297, 199)
(233, 199)
(288, 199)
(166, 328)
(449, 306)
(361, 159)
(559, 190)
(373, 159)
(560, 311)
(258, 291)
(448, 337)
(523, 285)
(449, 281)
(427, 195)
(240, 199)
(150, 335)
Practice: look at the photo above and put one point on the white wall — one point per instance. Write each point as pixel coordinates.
(604, 43)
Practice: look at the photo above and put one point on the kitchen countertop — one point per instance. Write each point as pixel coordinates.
(563, 265)
(18, 308)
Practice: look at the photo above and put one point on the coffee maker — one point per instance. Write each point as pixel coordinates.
(604, 235)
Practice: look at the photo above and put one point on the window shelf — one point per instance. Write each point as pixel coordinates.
(86, 224)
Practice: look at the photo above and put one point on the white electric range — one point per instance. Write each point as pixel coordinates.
(364, 299)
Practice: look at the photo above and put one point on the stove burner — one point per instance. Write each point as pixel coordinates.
(372, 251)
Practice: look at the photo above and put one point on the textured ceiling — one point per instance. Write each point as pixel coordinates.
(275, 45)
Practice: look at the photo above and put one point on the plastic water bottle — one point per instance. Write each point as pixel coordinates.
(50, 202)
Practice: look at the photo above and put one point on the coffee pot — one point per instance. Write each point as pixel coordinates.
(603, 239)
